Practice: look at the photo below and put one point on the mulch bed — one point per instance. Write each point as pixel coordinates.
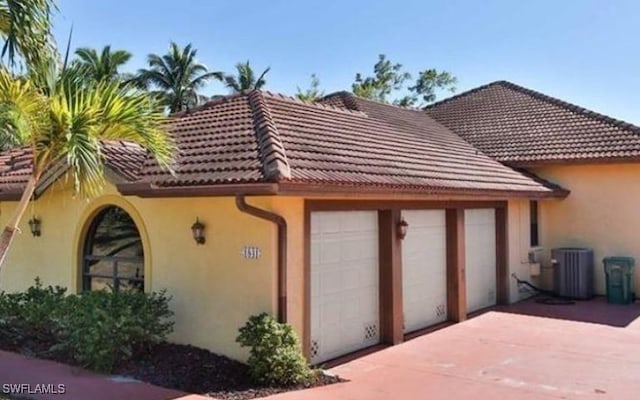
(194, 370)
(189, 369)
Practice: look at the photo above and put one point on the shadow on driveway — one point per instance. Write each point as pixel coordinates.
(596, 311)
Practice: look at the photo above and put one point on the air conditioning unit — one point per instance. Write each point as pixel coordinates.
(573, 272)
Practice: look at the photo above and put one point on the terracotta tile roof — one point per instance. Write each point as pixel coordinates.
(15, 168)
(216, 144)
(123, 158)
(347, 142)
(344, 140)
(520, 127)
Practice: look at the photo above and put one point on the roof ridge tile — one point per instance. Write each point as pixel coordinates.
(271, 149)
(351, 101)
(346, 97)
(316, 104)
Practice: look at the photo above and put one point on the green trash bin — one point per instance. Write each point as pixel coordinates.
(619, 274)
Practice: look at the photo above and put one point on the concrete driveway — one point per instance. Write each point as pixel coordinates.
(498, 355)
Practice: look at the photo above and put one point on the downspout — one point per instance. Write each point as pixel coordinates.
(282, 249)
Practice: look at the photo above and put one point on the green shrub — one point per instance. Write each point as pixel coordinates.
(104, 328)
(98, 329)
(275, 357)
(32, 318)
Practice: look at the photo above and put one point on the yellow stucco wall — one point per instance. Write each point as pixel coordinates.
(214, 288)
(602, 212)
(292, 209)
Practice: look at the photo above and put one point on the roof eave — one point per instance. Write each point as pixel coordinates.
(148, 190)
(331, 189)
(570, 161)
(10, 195)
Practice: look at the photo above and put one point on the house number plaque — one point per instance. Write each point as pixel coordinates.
(251, 252)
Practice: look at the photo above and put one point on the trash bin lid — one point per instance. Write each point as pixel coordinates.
(619, 260)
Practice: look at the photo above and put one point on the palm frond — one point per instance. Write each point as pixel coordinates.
(261, 80)
(231, 83)
(80, 147)
(87, 55)
(25, 26)
(199, 81)
(23, 109)
(65, 61)
(133, 117)
(155, 78)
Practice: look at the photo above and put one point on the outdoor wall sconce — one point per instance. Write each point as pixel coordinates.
(35, 226)
(198, 232)
(402, 228)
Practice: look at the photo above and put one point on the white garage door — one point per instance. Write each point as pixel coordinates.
(344, 283)
(424, 269)
(480, 246)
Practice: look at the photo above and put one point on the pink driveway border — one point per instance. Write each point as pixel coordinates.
(16, 369)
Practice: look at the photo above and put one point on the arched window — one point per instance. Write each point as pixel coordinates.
(113, 254)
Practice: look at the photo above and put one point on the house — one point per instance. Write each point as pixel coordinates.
(356, 222)
(595, 157)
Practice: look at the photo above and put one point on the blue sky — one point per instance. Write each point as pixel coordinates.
(583, 51)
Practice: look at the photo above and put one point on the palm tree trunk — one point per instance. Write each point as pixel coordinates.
(11, 228)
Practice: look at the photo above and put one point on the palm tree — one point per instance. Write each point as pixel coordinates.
(25, 27)
(246, 78)
(62, 119)
(176, 77)
(103, 66)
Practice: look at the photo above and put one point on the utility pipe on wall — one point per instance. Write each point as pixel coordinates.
(242, 205)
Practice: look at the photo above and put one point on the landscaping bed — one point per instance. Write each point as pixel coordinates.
(125, 334)
(194, 370)
(189, 369)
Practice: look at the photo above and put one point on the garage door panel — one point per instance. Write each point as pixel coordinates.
(345, 292)
(330, 250)
(316, 284)
(358, 222)
(479, 217)
(331, 281)
(350, 308)
(424, 269)
(326, 223)
(330, 312)
(315, 315)
(352, 279)
(370, 303)
(367, 279)
(358, 248)
(316, 253)
(480, 247)
(332, 336)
